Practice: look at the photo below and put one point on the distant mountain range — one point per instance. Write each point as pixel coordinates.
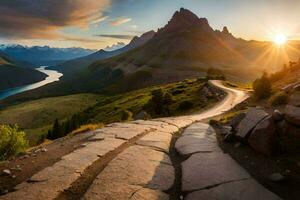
(78, 64)
(44, 55)
(13, 75)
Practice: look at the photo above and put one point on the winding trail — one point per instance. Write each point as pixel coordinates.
(137, 160)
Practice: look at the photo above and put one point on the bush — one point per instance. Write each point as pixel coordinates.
(279, 98)
(186, 105)
(126, 115)
(12, 141)
(262, 87)
(160, 103)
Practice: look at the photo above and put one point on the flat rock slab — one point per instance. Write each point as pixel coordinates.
(204, 170)
(252, 118)
(179, 122)
(238, 190)
(119, 131)
(198, 137)
(158, 125)
(157, 140)
(49, 182)
(135, 168)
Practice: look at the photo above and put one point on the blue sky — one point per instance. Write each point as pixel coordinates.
(100, 23)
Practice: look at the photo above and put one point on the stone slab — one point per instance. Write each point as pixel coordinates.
(121, 132)
(157, 140)
(136, 167)
(179, 122)
(49, 182)
(252, 118)
(238, 190)
(204, 170)
(158, 125)
(198, 137)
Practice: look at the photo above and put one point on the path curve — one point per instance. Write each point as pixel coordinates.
(233, 98)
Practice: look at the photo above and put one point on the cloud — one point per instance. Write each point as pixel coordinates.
(79, 39)
(101, 19)
(115, 46)
(43, 19)
(125, 37)
(120, 21)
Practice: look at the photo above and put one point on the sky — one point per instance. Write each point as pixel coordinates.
(97, 24)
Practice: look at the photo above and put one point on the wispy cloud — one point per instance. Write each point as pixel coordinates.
(101, 19)
(120, 21)
(126, 37)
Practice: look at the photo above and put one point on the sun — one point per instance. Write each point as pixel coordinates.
(280, 39)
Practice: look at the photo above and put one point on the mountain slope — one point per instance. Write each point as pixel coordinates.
(186, 47)
(13, 75)
(72, 66)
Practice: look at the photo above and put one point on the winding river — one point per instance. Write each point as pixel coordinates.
(52, 76)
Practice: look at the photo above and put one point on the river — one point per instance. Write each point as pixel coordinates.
(52, 76)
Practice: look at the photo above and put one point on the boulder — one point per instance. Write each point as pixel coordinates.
(229, 138)
(294, 99)
(236, 120)
(142, 115)
(252, 118)
(263, 137)
(292, 114)
(277, 116)
(289, 137)
(276, 177)
(224, 130)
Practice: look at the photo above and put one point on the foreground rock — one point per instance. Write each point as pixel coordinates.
(252, 118)
(263, 137)
(294, 99)
(134, 169)
(292, 114)
(157, 140)
(238, 190)
(204, 170)
(198, 137)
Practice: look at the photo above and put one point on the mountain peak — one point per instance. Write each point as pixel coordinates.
(185, 19)
(225, 30)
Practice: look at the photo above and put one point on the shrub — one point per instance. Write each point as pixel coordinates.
(279, 98)
(262, 87)
(126, 115)
(160, 103)
(12, 141)
(186, 105)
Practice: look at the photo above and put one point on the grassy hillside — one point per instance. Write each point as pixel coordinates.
(37, 116)
(12, 75)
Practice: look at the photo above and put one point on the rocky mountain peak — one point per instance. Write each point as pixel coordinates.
(185, 19)
(225, 30)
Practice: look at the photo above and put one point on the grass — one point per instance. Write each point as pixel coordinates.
(87, 127)
(36, 117)
(245, 86)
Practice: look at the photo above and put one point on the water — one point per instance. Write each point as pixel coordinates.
(52, 76)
